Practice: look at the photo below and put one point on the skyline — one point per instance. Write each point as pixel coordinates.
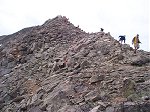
(119, 17)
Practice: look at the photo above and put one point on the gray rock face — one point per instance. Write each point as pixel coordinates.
(96, 78)
(128, 87)
(140, 60)
(57, 67)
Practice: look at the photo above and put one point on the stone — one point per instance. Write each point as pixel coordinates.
(85, 106)
(140, 80)
(133, 97)
(110, 109)
(102, 105)
(85, 64)
(95, 109)
(140, 60)
(104, 50)
(129, 107)
(146, 98)
(43, 107)
(68, 108)
(38, 55)
(2, 105)
(128, 87)
(35, 109)
(18, 99)
(92, 96)
(55, 67)
(96, 78)
(34, 98)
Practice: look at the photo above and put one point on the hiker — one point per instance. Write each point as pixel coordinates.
(122, 38)
(102, 29)
(135, 42)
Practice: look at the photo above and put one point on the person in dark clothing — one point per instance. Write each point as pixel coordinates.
(102, 29)
(122, 38)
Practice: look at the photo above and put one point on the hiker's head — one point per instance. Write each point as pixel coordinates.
(137, 35)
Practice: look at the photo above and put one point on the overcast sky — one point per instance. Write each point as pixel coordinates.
(119, 17)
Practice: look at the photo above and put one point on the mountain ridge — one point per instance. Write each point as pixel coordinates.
(57, 67)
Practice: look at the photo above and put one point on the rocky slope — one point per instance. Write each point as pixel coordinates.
(57, 67)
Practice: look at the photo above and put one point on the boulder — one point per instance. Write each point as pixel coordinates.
(129, 87)
(140, 60)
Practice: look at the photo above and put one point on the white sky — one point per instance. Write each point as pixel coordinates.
(119, 17)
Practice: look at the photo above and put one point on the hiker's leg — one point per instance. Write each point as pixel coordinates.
(134, 50)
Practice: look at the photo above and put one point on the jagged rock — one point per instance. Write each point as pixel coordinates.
(104, 50)
(6, 71)
(77, 100)
(10, 96)
(95, 109)
(34, 98)
(140, 80)
(133, 97)
(18, 99)
(84, 64)
(128, 87)
(129, 107)
(146, 98)
(110, 109)
(92, 96)
(140, 60)
(59, 100)
(102, 105)
(69, 108)
(35, 109)
(85, 106)
(57, 67)
(96, 78)
(132, 107)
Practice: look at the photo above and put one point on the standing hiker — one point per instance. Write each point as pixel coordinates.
(135, 42)
(102, 29)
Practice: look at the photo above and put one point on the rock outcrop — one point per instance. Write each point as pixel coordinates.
(57, 67)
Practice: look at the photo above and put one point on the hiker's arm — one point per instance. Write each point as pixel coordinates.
(139, 41)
